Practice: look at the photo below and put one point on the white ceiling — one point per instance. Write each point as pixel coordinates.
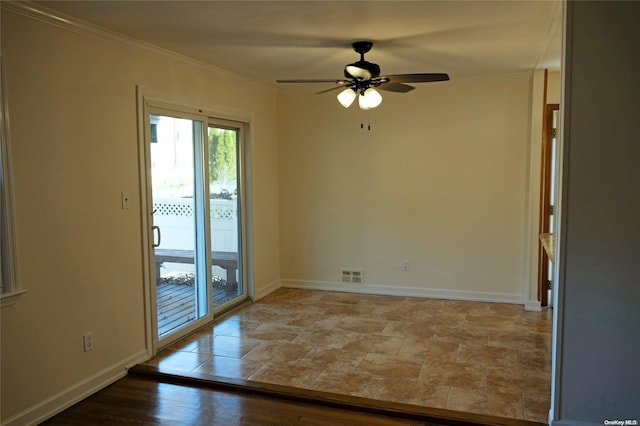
(269, 40)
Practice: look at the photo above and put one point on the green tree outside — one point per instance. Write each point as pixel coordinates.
(222, 156)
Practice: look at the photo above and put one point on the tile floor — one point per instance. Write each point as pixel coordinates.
(476, 357)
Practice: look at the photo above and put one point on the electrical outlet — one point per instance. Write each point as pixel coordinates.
(87, 338)
(126, 201)
(405, 265)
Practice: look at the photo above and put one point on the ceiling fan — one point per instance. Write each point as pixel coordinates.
(362, 77)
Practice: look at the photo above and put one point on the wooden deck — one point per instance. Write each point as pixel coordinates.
(176, 304)
(225, 259)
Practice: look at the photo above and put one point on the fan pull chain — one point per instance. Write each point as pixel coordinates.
(368, 122)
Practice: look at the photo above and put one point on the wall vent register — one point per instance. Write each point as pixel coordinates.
(354, 276)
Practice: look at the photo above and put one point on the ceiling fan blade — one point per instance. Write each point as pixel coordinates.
(417, 78)
(396, 87)
(333, 88)
(326, 80)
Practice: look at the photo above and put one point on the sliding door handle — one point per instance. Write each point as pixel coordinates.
(156, 229)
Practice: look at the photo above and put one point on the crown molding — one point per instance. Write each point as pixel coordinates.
(66, 22)
(510, 75)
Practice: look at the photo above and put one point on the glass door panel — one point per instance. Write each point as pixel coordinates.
(225, 207)
(179, 222)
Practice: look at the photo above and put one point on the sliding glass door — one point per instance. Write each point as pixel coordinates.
(194, 166)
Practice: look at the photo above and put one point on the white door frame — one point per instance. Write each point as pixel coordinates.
(157, 99)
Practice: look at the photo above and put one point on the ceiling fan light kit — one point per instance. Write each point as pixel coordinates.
(346, 97)
(369, 98)
(362, 77)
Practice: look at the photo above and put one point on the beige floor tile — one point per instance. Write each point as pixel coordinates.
(260, 314)
(293, 296)
(287, 375)
(416, 330)
(428, 349)
(486, 402)
(442, 318)
(275, 332)
(533, 360)
(375, 343)
(235, 347)
(274, 352)
(234, 327)
(488, 356)
(392, 312)
(361, 325)
(525, 340)
(377, 299)
(298, 309)
(465, 336)
(536, 408)
(419, 304)
(342, 309)
(490, 322)
(356, 384)
(467, 308)
(314, 321)
(336, 360)
(454, 374)
(229, 367)
(389, 366)
(412, 391)
(540, 322)
(190, 345)
(506, 309)
(330, 339)
(204, 331)
(515, 380)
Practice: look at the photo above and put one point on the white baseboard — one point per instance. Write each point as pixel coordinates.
(76, 393)
(388, 290)
(532, 305)
(266, 290)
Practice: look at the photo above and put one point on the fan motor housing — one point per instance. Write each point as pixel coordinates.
(374, 69)
(362, 47)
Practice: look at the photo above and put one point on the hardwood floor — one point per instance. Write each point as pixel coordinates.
(140, 401)
(150, 398)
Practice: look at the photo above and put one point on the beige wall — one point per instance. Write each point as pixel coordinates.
(72, 103)
(442, 180)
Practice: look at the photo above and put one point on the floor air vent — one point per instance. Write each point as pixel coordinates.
(353, 276)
